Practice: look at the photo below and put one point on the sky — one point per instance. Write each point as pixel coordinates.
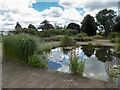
(58, 12)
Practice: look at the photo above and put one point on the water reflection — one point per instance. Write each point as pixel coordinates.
(97, 60)
(88, 51)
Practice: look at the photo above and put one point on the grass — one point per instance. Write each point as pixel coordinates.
(0, 45)
(66, 41)
(36, 61)
(19, 47)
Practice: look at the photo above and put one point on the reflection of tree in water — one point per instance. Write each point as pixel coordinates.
(88, 50)
(65, 51)
(104, 54)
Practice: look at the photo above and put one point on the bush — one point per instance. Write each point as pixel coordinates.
(19, 47)
(53, 32)
(77, 67)
(114, 35)
(90, 44)
(98, 36)
(35, 61)
(82, 35)
(66, 41)
(117, 46)
(48, 48)
(25, 30)
(82, 39)
(98, 45)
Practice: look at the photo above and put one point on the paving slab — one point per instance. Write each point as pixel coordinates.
(19, 75)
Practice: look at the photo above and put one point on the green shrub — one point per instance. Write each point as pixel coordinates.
(98, 36)
(98, 45)
(35, 61)
(82, 35)
(66, 41)
(114, 35)
(19, 47)
(112, 40)
(117, 46)
(77, 67)
(82, 39)
(48, 48)
(90, 44)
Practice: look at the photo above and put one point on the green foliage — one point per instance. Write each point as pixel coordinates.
(18, 26)
(56, 38)
(98, 36)
(32, 27)
(54, 32)
(25, 30)
(98, 45)
(82, 35)
(82, 39)
(66, 41)
(89, 25)
(19, 47)
(106, 19)
(114, 35)
(35, 61)
(90, 44)
(48, 48)
(117, 46)
(46, 25)
(116, 27)
(77, 67)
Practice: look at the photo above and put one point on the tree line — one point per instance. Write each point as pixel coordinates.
(105, 21)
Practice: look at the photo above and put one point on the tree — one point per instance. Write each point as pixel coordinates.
(45, 25)
(116, 26)
(18, 26)
(106, 18)
(32, 27)
(73, 26)
(89, 25)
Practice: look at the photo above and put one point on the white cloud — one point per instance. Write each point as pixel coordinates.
(19, 10)
(22, 11)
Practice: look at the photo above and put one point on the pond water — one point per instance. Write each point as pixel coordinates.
(97, 60)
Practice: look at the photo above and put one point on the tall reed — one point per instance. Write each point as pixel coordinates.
(19, 47)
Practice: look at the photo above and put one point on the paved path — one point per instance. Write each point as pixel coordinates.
(18, 75)
(103, 42)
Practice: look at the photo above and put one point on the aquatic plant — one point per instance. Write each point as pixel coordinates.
(111, 71)
(19, 47)
(36, 61)
(66, 41)
(99, 77)
(76, 67)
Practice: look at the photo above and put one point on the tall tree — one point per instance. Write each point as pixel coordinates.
(18, 26)
(106, 19)
(45, 25)
(116, 26)
(32, 27)
(89, 25)
(73, 26)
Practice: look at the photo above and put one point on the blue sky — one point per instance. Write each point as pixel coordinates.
(40, 6)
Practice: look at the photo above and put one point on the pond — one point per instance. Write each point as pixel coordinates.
(97, 61)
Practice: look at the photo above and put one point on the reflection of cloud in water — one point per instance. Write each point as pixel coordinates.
(94, 68)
